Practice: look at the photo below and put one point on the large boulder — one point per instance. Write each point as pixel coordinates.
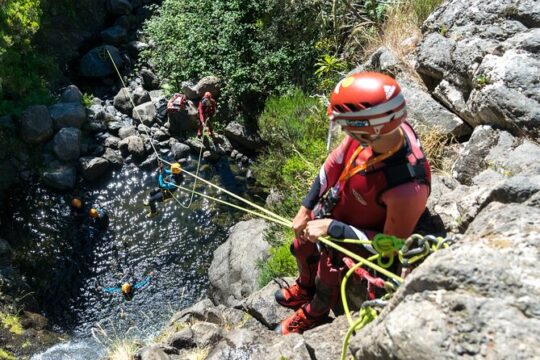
(141, 96)
(97, 63)
(36, 124)
(122, 101)
(71, 94)
(67, 115)
(114, 35)
(133, 145)
(481, 64)
(233, 273)
(208, 83)
(145, 113)
(127, 131)
(150, 80)
(59, 176)
(456, 303)
(179, 150)
(92, 168)
(67, 144)
(239, 134)
(185, 121)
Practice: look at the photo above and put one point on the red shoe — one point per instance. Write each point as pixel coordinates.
(298, 323)
(294, 296)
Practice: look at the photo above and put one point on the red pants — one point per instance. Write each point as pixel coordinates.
(318, 270)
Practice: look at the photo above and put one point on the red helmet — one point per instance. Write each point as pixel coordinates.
(367, 103)
(207, 94)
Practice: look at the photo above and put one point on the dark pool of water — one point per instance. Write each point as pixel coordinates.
(175, 249)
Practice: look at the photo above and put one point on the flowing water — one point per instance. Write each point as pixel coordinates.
(70, 269)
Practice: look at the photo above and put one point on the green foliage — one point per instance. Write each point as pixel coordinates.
(22, 69)
(87, 100)
(12, 323)
(281, 262)
(295, 127)
(423, 8)
(482, 80)
(329, 71)
(256, 48)
(5, 355)
(376, 9)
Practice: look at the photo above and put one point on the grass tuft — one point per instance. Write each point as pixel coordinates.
(12, 323)
(434, 142)
(122, 349)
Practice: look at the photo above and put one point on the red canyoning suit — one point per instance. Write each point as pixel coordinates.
(388, 197)
(207, 109)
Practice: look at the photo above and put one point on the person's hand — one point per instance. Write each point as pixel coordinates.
(317, 228)
(300, 221)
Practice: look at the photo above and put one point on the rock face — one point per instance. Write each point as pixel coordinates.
(480, 58)
(239, 134)
(233, 273)
(462, 304)
(36, 124)
(96, 63)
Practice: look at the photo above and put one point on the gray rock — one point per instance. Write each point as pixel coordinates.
(114, 157)
(133, 145)
(122, 101)
(471, 159)
(482, 63)
(239, 134)
(119, 7)
(67, 144)
(114, 35)
(141, 96)
(184, 121)
(187, 89)
(206, 334)
(127, 131)
(424, 112)
(183, 339)
(67, 115)
(150, 163)
(233, 273)
(160, 136)
(97, 63)
(151, 353)
(145, 113)
(150, 80)
(112, 142)
(36, 124)
(92, 168)
(59, 176)
(208, 83)
(71, 94)
(180, 151)
(325, 341)
(516, 189)
(263, 307)
(114, 127)
(210, 156)
(461, 297)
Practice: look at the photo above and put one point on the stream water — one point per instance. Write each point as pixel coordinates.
(69, 271)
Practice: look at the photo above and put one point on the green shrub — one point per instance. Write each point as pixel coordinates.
(281, 261)
(256, 48)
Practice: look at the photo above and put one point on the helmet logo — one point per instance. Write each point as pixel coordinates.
(344, 83)
(389, 91)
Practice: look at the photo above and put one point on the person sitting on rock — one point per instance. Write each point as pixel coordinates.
(168, 181)
(376, 181)
(207, 109)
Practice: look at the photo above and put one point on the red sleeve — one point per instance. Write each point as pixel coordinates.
(333, 166)
(404, 206)
(201, 112)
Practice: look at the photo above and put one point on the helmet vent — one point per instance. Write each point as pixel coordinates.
(352, 107)
(340, 108)
(366, 105)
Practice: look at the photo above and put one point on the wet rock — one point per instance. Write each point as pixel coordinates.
(111, 142)
(96, 63)
(208, 83)
(210, 156)
(122, 101)
(114, 157)
(36, 124)
(263, 307)
(160, 136)
(67, 144)
(145, 113)
(67, 115)
(59, 176)
(119, 7)
(127, 131)
(71, 94)
(150, 80)
(150, 163)
(179, 150)
(92, 168)
(133, 145)
(114, 35)
(233, 273)
(114, 127)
